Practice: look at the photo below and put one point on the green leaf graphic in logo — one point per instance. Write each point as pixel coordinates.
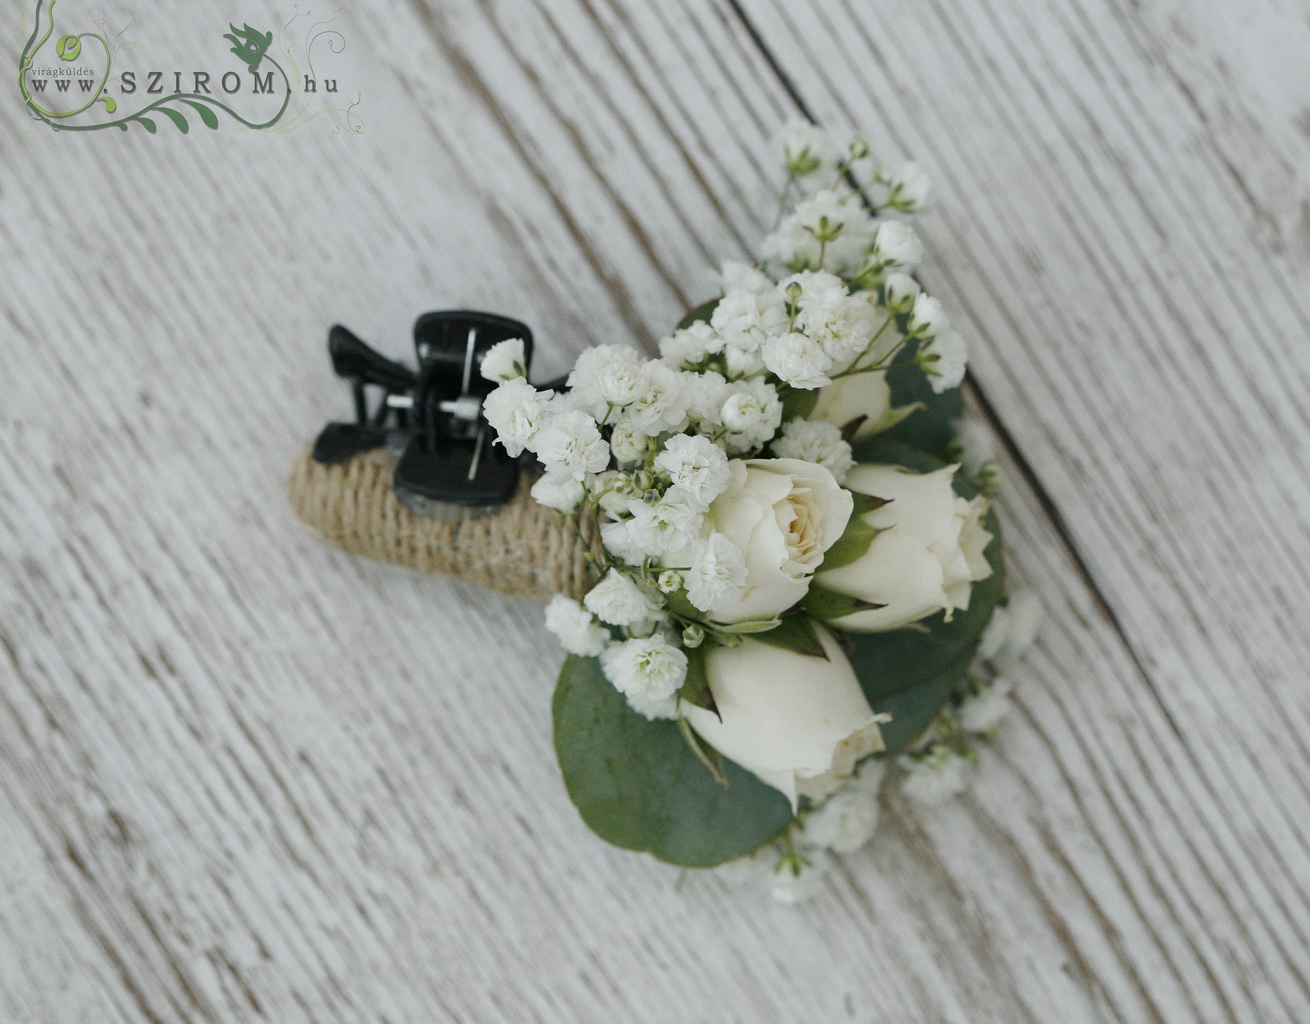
(249, 44)
(68, 47)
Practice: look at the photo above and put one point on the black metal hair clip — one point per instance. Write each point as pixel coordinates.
(431, 418)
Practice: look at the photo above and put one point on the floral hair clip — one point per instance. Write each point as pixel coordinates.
(770, 553)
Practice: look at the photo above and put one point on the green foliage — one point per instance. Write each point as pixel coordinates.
(638, 785)
(931, 428)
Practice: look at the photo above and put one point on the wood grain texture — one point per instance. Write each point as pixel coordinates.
(244, 777)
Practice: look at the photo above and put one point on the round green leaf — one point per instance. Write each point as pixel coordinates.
(637, 784)
(910, 672)
(931, 428)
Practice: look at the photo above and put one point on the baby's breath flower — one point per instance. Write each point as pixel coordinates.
(666, 527)
(829, 231)
(901, 290)
(647, 667)
(696, 465)
(797, 878)
(561, 494)
(743, 277)
(815, 441)
(660, 407)
(752, 410)
(798, 360)
(986, 705)
(896, 244)
(934, 775)
(928, 317)
(946, 360)
(847, 819)
(571, 446)
(517, 412)
(576, 629)
(718, 575)
(690, 345)
(504, 361)
(744, 317)
(621, 601)
(807, 150)
(908, 188)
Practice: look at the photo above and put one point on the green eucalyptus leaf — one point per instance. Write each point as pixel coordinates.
(910, 672)
(826, 605)
(795, 633)
(702, 312)
(851, 546)
(931, 427)
(638, 785)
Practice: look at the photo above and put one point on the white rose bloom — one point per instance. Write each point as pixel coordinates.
(984, 710)
(848, 398)
(782, 514)
(909, 188)
(696, 465)
(847, 819)
(667, 527)
(928, 317)
(504, 361)
(571, 446)
(576, 629)
(794, 882)
(901, 291)
(948, 359)
(807, 150)
(786, 717)
(927, 555)
(718, 575)
(933, 778)
(560, 494)
(690, 345)
(648, 668)
(744, 318)
(897, 243)
(753, 410)
(797, 360)
(828, 214)
(628, 442)
(621, 601)
(815, 441)
(516, 411)
(743, 277)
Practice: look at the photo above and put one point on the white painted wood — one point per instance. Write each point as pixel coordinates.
(243, 777)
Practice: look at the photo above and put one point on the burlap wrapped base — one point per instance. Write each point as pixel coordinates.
(522, 549)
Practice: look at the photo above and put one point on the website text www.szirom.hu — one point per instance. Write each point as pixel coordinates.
(196, 82)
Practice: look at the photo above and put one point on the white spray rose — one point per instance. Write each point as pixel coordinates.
(927, 555)
(788, 718)
(848, 398)
(782, 514)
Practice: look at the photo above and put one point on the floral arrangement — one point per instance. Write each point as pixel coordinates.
(796, 574)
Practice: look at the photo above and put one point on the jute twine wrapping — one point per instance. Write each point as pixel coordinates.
(522, 549)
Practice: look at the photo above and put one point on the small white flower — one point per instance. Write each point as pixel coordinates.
(847, 819)
(928, 317)
(718, 574)
(742, 363)
(897, 244)
(571, 446)
(752, 410)
(660, 406)
(984, 709)
(620, 382)
(807, 149)
(696, 465)
(705, 394)
(647, 667)
(666, 528)
(621, 601)
(743, 277)
(628, 442)
(901, 291)
(946, 360)
(654, 707)
(516, 411)
(933, 777)
(504, 361)
(909, 188)
(619, 542)
(745, 318)
(1013, 627)
(828, 231)
(562, 494)
(842, 323)
(690, 345)
(798, 360)
(815, 441)
(975, 441)
(669, 581)
(797, 878)
(575, 628)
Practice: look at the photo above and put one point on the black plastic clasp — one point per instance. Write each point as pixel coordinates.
(433, 418)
